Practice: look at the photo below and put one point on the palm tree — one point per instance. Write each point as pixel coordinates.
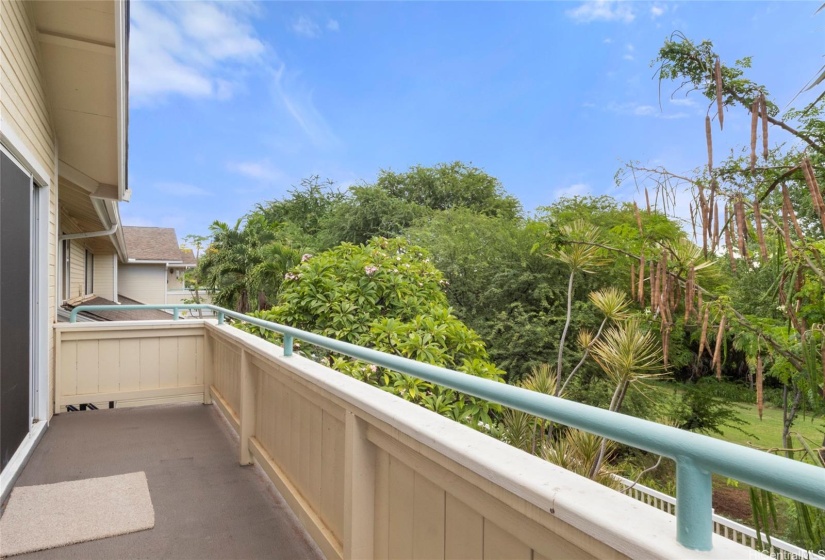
(613, 304)
(245, 264)
(581, 254)
(627, 354)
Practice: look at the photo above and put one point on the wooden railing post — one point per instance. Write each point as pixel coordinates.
(208, 365)
(247, 412)
(359, 489)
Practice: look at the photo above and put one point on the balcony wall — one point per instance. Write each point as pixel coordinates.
(368, 474)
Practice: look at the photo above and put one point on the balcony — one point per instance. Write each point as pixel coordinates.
(365, 473)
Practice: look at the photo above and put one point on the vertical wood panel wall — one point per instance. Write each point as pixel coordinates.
(125, 364)
(227, 368)
(420, 505)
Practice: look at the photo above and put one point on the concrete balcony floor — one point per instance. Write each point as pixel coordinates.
(206, 504)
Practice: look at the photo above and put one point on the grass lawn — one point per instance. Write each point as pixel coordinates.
(767, 433)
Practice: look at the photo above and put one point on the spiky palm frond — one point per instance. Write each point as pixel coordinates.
(612, 302)
(628, 353)
(541, 379)
(579, 250)
(578, 451)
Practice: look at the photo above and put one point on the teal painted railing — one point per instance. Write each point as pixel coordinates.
(696, 456)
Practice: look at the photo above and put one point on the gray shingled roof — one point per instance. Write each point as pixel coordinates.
(118, 314)
(188, 256)
(152, 244)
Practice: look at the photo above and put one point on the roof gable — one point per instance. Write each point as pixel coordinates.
(152, 244)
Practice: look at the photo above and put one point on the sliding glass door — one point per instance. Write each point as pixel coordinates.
(16, 308)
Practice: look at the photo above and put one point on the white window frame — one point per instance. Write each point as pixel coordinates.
(39, 288)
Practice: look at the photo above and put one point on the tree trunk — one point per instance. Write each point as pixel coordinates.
(789, 416)
(564, 332)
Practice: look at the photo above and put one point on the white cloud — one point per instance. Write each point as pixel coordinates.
(261, 170)
(297, 99)
(683, 102)
(305, 27)
(188, 49)
(634, 109)
(603, 10)
(607, 40)
(576, 189)
(628, 54)
(657, 10)
(181, 189)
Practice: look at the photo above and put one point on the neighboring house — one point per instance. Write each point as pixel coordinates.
(155, 267)
(63, 154)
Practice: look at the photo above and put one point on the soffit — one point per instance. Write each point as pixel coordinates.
(77, 41)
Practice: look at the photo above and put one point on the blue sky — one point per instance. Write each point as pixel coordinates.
(233, 103)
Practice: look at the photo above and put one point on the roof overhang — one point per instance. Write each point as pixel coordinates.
(84, 47)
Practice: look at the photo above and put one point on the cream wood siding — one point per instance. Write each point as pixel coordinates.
(145, 283)
(77, 262)
(25, 114)
(104, 276)
(23, 100)
(175, 279)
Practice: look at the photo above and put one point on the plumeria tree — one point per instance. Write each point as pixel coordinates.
(385, 295)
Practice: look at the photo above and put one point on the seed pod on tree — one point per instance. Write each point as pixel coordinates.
(759, 396)
(763, 108)
(641, 292)
(709, 141)
(728, 242)
(760, 236)
(813, 187)
(739, 209)
(703, 337)
(717, 351)
(717, 75)
(754, 124)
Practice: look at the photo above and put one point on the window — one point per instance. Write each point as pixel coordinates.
(90, 272)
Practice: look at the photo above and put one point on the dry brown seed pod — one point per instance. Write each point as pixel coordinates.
(754, 123)
(641, 292)
(728, 243)
(717, 351)
(703, 338)
(739, 209)
(717, 75)
(689, 292)
(763, 108)
(786, 234)
(786, 200)
(759, 396)
(813, 187)
(709, 140)
(760, 236)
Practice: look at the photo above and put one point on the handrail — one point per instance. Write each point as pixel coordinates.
(696, 456)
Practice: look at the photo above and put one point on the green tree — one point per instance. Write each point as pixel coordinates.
(764, 208)
(244, 265)
(386, 295)
(451, 185)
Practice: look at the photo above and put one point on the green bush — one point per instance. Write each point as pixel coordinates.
(385, 295)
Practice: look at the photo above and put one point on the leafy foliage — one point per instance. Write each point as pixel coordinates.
(386, 295)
